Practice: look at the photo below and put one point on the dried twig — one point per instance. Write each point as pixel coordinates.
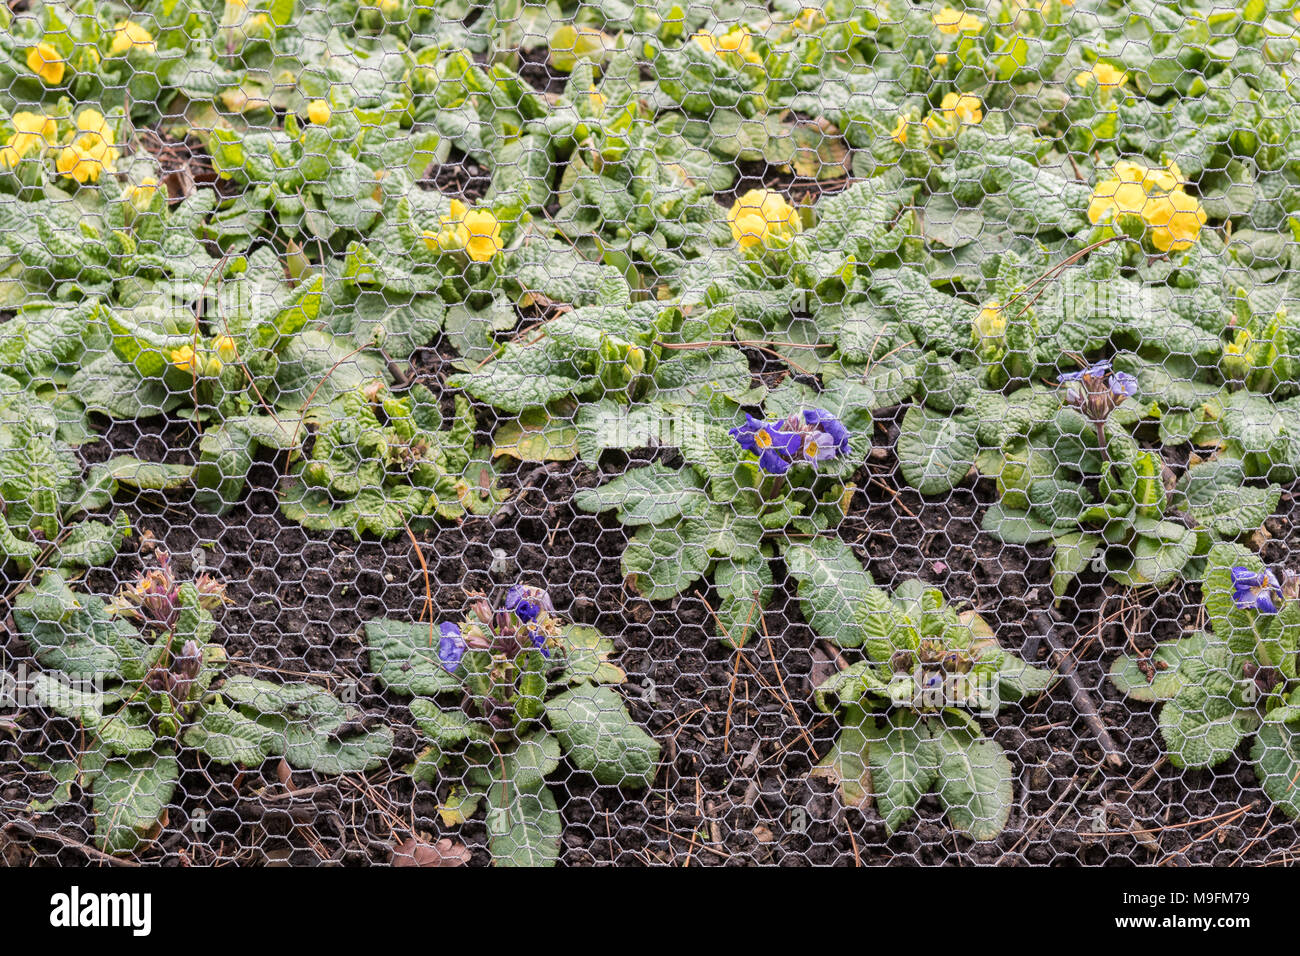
(1079, 695)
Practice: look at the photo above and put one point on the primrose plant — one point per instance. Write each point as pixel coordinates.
(1083, 482)
(501, 695)
(743, 495)
(1219, 687)
(908, 708)
(141, 679)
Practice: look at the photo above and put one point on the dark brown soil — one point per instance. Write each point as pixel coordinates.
(535, 67)
(185, 164)
(460, 177)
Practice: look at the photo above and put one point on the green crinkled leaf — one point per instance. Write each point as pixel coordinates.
(1202, 727)
(587, 655)
(650, 495)
(228, 737)
(524, 827)
(405, 658)
(533, 759)
(320, 732)
(904, 762)
(744, 589)
(130, 795)
(74, 633)
(846, 764)
(601, 738)
(146, 475)
(1073, 553)
(1216, 495)
(838, 598)
(446, 727)
(1012, 526)
(663, 560)
(1276, 753)
(974, 781)
(89, 543)
(935, 451)
(1177, 664)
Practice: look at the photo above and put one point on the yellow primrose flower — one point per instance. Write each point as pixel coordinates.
(79, 164)
(953, 22)
(1165, 179)
(129, 36)
(991, 323)
(1104, 75)
(225, 348)
(1117, 197)
(761, 214)
(941, 59)
(956, 109)
(141, 196)
(45, 61)
(899, 135)
(1175, 219)
(318, 111)
(484, 235)
(32, 131)
(736, 41)
(92, 151)
(184, 358)
(477, 231)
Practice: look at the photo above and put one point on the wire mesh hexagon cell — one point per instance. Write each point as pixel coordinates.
(438, 432)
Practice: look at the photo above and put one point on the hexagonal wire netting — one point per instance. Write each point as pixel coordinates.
(661, 432)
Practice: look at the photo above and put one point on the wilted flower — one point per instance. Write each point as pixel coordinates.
(1096, 391)
(177, 680)
(129, 36)
(953, 22)
(47, 63)
(812, 435)
(761, 215)
(1256, 589)
(153, 596)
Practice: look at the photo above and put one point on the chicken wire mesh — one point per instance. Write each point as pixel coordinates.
(648, 433)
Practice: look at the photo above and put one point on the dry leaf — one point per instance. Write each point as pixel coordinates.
(417, 852)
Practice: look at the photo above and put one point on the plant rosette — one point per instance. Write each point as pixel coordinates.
(908, 710)
(503, 695)
(744, 494)
(1219, 687)
(141, 679)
